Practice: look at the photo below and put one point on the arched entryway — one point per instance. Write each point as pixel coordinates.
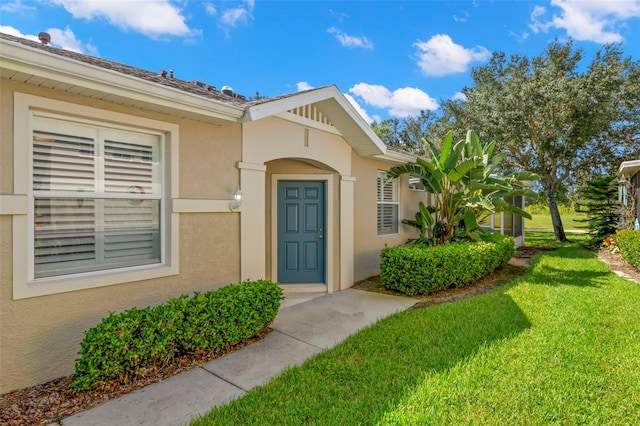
(287, 154)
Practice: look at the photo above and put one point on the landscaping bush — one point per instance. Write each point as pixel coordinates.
(422, 270)
(144, 338)
(629, 244)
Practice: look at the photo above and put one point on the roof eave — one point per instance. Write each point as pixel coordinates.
(101, 83)
(396, 157)
(629, 168)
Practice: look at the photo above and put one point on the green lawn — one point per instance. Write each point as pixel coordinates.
(543, 221)
(547, 239)
(558, 345)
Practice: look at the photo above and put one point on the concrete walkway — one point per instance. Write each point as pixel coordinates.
(300, 331)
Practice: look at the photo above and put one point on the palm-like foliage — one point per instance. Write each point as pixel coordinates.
(464, 179)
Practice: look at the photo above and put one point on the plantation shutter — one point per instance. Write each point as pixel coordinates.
(64, 162)
(387, 205)
(131, 166)
(96, 200)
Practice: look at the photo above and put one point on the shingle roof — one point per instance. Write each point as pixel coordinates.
(199, 89)
(287, 95)
(342, 116)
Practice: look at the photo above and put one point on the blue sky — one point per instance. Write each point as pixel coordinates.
(391, 58)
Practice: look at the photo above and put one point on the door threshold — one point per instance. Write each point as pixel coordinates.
(304, 288)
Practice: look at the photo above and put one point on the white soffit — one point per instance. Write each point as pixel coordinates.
(397, 157)
(25, 64)
(629, 168)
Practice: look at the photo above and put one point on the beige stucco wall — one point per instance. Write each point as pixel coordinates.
(316, 151)
(273, 138)
(367, 242)
(6, 137)
(39, 336)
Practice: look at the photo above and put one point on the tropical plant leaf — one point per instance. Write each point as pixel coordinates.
(503, 206)
(465, 184)
(461, 170)
(446, 148)
(470, 221)
(454, 156)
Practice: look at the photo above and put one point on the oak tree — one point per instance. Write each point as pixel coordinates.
(553, 115)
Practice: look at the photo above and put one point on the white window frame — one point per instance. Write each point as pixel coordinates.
(24, 283)
(95, 190)
(396, 192)
(415, 184)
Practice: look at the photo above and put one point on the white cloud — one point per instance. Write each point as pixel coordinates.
(65, 39)
(350, 41)
(152, 18)
(441, 56)
(339, 15)
(459, 96)
(16, 33)
(361, 111)
(597, 21)
(399, 103)
(303, 85)
(462, 18)
(230, 18)
(373, 94)
(210, 8)
(15, 7)
(519, 37)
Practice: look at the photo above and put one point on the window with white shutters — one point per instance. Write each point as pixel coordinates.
(97, 196)
(387, 204)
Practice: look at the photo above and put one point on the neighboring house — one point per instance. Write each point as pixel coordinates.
(629, 178)
(116, 188)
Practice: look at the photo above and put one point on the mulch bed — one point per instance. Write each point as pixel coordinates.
(616, 264)
(55, 400)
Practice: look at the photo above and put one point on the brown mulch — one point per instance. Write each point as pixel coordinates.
(55, 400)
(616, 264)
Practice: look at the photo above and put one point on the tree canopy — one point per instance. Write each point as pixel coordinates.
(408, 133)
(553, 115)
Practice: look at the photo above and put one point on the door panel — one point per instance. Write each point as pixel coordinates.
(301, 226)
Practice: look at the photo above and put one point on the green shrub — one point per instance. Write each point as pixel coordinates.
(629, 243)
(143, 338)
(422, 270)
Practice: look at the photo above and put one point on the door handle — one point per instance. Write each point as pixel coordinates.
(319, 237)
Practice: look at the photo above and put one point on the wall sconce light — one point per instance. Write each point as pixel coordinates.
(237, 200)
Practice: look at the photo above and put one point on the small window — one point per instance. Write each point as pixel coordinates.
(387, 204)
(97, 195)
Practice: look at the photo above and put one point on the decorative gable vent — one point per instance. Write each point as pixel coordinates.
(312, 113)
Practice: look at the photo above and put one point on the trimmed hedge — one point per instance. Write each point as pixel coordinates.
(142, 338)
(422, 270)
(629, 243)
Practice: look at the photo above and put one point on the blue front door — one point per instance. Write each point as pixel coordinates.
(301, 231)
